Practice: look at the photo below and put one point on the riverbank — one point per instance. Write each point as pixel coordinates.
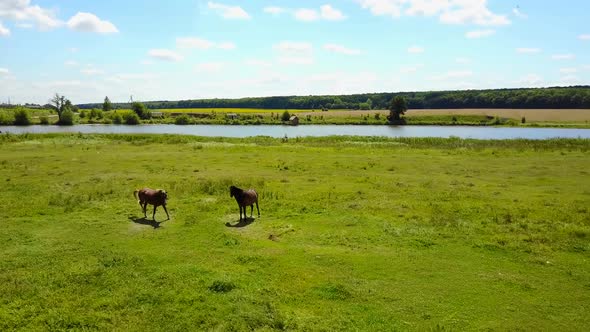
(452, 117)
(355, 233)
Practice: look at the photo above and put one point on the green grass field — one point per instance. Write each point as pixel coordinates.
(355, 234)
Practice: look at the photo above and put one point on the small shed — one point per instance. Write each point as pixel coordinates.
(232, 116)
(294, 120)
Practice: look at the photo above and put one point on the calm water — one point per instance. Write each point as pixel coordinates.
(313, 130)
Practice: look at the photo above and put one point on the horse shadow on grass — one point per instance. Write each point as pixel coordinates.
(145, 221)
(242, 223)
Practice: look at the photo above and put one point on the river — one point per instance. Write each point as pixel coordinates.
(312, 130)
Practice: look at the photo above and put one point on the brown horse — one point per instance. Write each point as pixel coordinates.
(245, 198)
(155, 197)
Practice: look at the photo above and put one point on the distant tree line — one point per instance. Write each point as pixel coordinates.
(556, 97)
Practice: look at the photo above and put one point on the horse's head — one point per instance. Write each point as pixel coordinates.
(163, 194)
(233, 190)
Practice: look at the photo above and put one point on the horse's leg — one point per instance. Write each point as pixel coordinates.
(257, 208)
(167, 215)
(241, 212)
(154, 215)
(144, 209)
(251, 209)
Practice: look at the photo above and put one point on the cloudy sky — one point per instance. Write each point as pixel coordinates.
(191, 49)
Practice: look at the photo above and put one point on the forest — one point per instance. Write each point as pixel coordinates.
(549, 98)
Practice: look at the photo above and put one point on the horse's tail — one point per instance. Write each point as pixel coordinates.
(135, 194)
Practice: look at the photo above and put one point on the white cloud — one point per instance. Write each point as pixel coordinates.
(73, 49)
(480, 33)
(166, 55)
(426, 8)
(274, 10)
(229, 12)
(584, 37)
(22, 10)
(448, 11)
(71, 63)
(4, 30)
(306, 15)
(326, 12)
(563, 57)
(210, 67)
(528, 50)
(516, 11)
(88, 22)
(568, 70)
(341, 49)
(202, 44)
(415, 49)
(331, 14)
(4, 71)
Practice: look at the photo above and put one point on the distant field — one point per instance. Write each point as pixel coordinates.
(530, 114)
(226, 110)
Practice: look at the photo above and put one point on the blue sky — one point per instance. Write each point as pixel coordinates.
(175, 50)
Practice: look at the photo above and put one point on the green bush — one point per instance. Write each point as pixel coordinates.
(67, 118)
(117, 119)
(286, 116)
(131, 119)
(141, 110)
(84, 113)
(6, 117)
(22, 117)
(44, 120)
(96, 113)
(182, 120)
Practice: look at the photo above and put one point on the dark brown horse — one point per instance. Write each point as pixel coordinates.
(155, 197)
(245, 198)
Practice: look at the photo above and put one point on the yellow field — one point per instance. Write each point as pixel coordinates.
(225, 110)
(564, 115)
(530, 114)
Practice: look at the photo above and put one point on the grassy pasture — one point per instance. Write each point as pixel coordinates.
(355, 234)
